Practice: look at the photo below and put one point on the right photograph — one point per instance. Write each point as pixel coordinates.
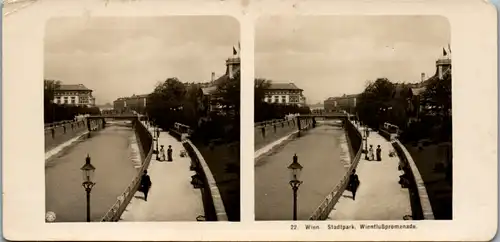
(353, 118)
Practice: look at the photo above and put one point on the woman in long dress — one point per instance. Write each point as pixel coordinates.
(370, 153)
(162, 153)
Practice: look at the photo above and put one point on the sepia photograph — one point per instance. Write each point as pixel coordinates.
(142, 119)
(353, 118)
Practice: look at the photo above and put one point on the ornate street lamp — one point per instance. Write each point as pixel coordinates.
(88, 175)
(157, 132)
(295, 171)
(366, 143)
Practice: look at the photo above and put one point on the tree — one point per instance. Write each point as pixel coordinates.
(436, 98)
(228, 91)
(49, 87)
(229, 98)
(193, 106)
(261, 85)
(165, 102)
(374, 102)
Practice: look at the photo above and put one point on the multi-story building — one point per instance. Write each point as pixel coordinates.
(135, 102)
(211, 95)
(414, 97)
(284, 93)
(317, 108)
(344, 103)
(77, 95)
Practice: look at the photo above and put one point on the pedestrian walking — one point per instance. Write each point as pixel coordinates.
(379, 153)
(145, 184)
(157, 132)
(169, 153)
(353, 183)
(370, 153)
(162, 153)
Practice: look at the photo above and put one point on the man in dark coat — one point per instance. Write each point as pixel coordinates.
(145, 184)
(169, 153)
(353, 183)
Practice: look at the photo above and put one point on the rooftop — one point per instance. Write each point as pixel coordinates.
(283, 86)
(73, 87)
(212, 87)
(343, 96)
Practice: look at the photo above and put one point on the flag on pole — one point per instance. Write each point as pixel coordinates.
(234, 51)
(449, 48)
(239, 47)
(444, 52)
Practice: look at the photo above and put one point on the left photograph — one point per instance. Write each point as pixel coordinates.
(142, 119)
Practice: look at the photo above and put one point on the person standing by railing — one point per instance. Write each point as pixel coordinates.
(353, 183)
(145, 184)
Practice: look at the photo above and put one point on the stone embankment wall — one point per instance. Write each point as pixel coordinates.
(59, 133)
(268, 132)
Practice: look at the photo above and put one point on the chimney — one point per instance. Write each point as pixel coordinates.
(213, 76)
(422, 77)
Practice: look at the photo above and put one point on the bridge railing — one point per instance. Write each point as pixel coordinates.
(146, 140)
(56, 124)
(270, 132)
(67, 130)
(327, 205)
(268, 122)
(180, 131)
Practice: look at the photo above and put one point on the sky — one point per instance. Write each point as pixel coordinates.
(329, 56)
(121, 56)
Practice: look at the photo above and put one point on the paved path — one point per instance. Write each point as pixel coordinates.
(379, 197)
(319, 152)
(109, 150)
(172, 197)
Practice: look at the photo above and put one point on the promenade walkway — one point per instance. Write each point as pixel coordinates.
(379, 196)
(172, 197)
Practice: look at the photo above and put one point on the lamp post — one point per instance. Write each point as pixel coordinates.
(295, 170)
(366, 143)
(157, 140)
(88, 175)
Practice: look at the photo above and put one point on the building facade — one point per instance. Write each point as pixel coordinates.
(344, 103)
(284, 93)
(136, 103)
(414, 98)
(76, 95)
(317, 108)
(211, 95)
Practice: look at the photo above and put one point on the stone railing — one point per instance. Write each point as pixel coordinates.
(56, 124)
(354, 139)
(268, 122)
(145, 142)
(419, 199)
(60, 132)
(212, 201)
(272, 131)
(180, 131)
